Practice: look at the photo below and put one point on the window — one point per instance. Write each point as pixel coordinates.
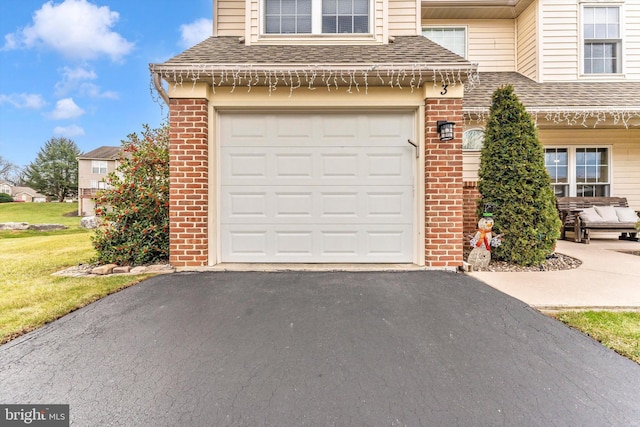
(452, 38)
(98, 185)
(579, 171)
(556, 161)
(592, 172)
(99, 167)
(345, 16)
(316, 16)
(287, 16)
(473, 139)
(602, 42)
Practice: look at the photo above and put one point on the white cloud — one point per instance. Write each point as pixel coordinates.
(75, 28)
(75, 80)
(68, 131)
(30, 101)
(195, 32)
(66, 109)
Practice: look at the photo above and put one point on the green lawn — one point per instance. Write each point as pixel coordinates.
(29, 295)
(620, 331)
(40, 213)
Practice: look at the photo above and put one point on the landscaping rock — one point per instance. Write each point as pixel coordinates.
(14, 226)
(88, 270)
(47, 227)
(104, 269)
(90, 222)
(80, 270)
(159, 269)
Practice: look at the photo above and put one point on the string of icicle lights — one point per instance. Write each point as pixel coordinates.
(565, 117)
(314, 77)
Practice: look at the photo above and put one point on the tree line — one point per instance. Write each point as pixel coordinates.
(54, 172)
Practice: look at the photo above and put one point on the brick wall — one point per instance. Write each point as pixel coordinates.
(470, 198)
(443, 186)
(188, 193)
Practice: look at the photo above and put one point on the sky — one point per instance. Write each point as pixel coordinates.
(79, 69)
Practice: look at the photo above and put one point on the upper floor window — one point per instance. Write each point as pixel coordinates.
(99, 167)
(602, 40)
(316, 16)
(452, 38)
(287, 16)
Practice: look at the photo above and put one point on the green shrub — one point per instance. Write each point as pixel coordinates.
(5, 198)
(514, 179)
(135, 207)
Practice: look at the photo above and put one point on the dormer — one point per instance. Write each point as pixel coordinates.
(316, 21)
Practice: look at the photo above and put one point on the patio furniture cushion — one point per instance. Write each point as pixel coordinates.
(591, 215)
(608, 213)
(626, 215)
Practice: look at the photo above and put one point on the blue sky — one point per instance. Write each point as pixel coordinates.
(79, 68)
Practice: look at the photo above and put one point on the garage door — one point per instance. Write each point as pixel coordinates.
(316, 188)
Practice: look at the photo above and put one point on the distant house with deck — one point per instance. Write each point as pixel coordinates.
(93, 168)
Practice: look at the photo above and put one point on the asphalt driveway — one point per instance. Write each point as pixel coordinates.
(319, 349)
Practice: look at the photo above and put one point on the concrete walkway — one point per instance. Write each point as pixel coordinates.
(607, 279)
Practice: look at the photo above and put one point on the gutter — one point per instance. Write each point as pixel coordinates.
(157, 83)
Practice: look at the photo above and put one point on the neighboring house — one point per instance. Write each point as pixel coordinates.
(311, 135)
(576, 67)
(5, 188)
(27, 194)
(93, 168)
(22, 194)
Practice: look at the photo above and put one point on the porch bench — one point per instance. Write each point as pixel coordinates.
(570, 209)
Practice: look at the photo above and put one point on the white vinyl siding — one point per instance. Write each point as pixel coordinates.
(560, 40)
(490, 42)
(631, 40)
(624, 154)
(402, 18)
(561, 26)
(229, 18)
(527, 59)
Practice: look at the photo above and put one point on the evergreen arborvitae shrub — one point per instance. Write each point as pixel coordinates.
(514, 179)
(5, 198)
(135, 208)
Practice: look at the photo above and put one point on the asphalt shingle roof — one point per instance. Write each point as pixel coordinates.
(403, 50)
(105, 152)
(552, 95)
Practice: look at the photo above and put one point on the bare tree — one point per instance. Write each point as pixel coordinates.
(10, 172)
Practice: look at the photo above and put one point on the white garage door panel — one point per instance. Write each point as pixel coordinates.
(316, 243)
(318, 165)
(301, 205)
(316, 187)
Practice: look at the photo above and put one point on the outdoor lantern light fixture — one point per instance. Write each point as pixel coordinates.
(445, 130)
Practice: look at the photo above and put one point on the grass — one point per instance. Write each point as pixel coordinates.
(40, 213)
(620, 331)
(29, 296)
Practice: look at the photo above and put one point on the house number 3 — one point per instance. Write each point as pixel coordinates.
(444, 89)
